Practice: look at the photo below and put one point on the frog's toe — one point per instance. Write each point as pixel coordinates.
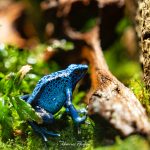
(82, 111)
(44, 137)
(49, 133)
(80, 120)
(45, 134)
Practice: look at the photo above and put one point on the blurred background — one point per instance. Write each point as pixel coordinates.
(31, 24)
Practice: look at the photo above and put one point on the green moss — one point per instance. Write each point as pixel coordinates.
(139, 89)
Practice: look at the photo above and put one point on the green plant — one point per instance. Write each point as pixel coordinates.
(11, 105)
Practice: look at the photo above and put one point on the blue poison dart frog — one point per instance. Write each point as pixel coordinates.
(54, 91)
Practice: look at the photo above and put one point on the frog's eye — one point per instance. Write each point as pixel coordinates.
(76, 72)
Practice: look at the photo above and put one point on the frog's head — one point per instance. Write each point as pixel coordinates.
(77, 72)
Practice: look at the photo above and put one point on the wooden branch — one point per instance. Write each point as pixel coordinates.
(109, 98)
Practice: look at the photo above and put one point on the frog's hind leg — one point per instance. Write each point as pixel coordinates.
(47, 119)
(42, 131)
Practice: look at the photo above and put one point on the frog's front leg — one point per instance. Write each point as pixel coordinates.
(73, 112)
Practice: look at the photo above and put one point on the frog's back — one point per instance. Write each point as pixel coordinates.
(53, 96)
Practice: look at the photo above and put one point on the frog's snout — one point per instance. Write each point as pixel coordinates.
(84, 68)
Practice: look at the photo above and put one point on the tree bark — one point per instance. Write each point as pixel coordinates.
(143, 30)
